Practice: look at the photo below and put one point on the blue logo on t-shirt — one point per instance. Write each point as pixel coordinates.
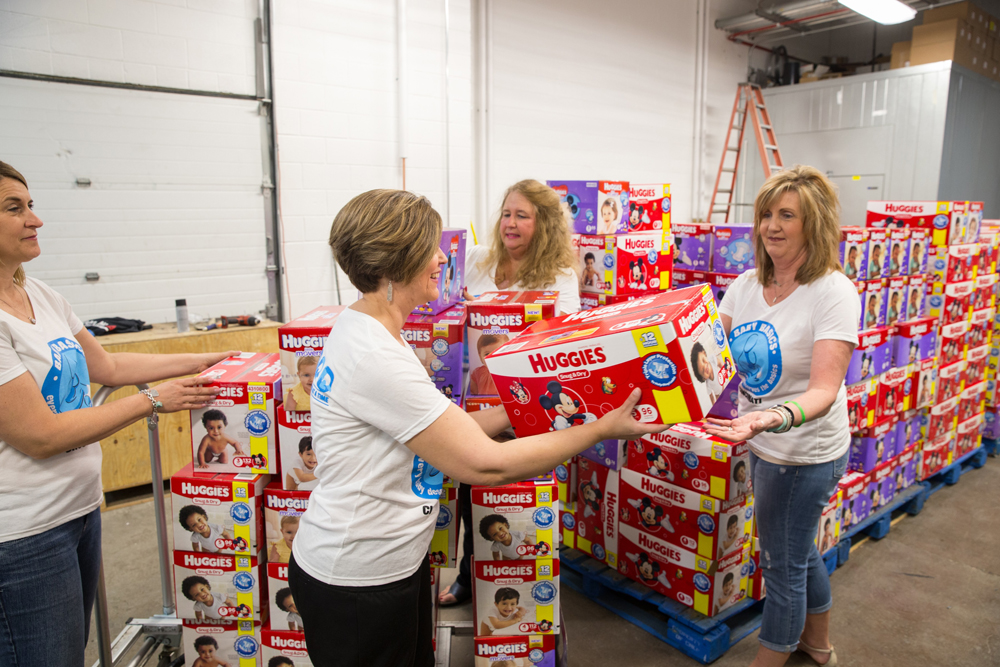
(241, 513)
(322, 383)
(67, 385)
(444, 518)
(757, 352)
(425, 479)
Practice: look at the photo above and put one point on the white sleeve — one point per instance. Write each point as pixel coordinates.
(10, 363)
(74, 322)
(390, 390)
(568, 284)
(837, 311)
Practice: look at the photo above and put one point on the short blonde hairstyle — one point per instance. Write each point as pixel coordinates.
(385, 234)
(7, 171)
(306, 360)
(819, 209)
(551, 249)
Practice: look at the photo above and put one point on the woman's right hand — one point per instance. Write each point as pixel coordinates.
(186, 394)
(619, 424)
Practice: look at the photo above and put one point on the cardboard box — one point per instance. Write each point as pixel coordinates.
(283, 613)
(533, 650)
(950, 39)
(597, 506)
(920, 238)
(649, 207)
(515, 522)
(612, 207)
(527, 590)
(895, 301)
(915, 299)
(964, 11)
(692, 245)
(698, 523)
(882, 486)
(861, 399)
(900, 55)
(298, 461)
(684, 278)
(854, 252)
(592, 300)
(971, 403)
(437, 340)
(913, 341)
(951, 302)
(494, 318)
(878, 254)
(688, 457)
(942, 418)
(579, 204)
(968, 437)
(284, 644)
(237, 431)
(301, 343)
(708, 586)
(219, 586)
(856, 502)
(828, 531)
(733, 248)
(984, 295)
(951, 343)
(937, 454)
(954, 263)
(908, 467)
(948, 383)
(977, 359)
(924, 383)
(893, 394)
(873, 304)
(946, 222)
(236, 642)
(756, 589)
(282, 511)
(630, 263)
(980, 325)
(608, 453)
(565, 475)
(873, 355)
(720, 283)
(898, 245)
(452, 277)
(873, 446)
(220, 513)
(577, 368)
(444, 543)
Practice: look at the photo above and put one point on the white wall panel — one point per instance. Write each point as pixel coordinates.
(175, 207)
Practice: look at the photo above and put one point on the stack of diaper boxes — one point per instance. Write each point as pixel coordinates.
(622, 234)
(711, 253)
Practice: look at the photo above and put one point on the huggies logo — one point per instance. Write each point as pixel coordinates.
(479, 321)
(590, 356)
(292, 342)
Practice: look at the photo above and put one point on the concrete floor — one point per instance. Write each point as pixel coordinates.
(928, 594)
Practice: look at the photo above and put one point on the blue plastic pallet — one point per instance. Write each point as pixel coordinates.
(698, 636)
(950, 474)
(876, 525)
(991, 446)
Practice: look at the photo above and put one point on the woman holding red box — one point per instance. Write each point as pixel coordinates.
(50, 459)
(383, 435)
(792, 326)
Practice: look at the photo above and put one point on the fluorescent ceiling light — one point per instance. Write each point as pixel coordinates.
(886, 12)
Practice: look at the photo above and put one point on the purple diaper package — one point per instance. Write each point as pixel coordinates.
(452, 273)
(916, 298)
(872, 356)
(914, 341)
(857, 502)
(873, 306)
(907, 464)
(873, 445)
(882, 487)
(608, 453)
(854, 252)
(732, 249)
(991, 424)
(579, 203)
(907, 430)
(692, 245)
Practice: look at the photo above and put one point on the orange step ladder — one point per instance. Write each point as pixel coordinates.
(750, 105)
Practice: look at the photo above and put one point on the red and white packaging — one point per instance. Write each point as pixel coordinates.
(949, 381)
(630, 263)
(720, 283)
(989, 252)
(237, 432)
(494, 318)
(597, 504)
(612, 207)
(648, 207)
(882, 487)
(892, 397)
(591, 300)
(704, 525)
(530, 650)
(937, 454)
(954, 263)
(284, 644)
(687, 278)
(861, 400)
(951, 302)
(945, 221)
(523, 593)
(828, 532)
(755, 580)
(941, 418)
(282, 511)
(968, 435)
(283, 613)
(923, 378)
(304, 336)
(971, 402)
(686, 456)
(706, 585)
(224, 509)
(298, 462)
(951, 342)
(980, 327)
(522, 521)
(474, 403)
(212, 642)
(854, 252)
(577, 368)
(855, 501)
(984, 295)
(236, 588)
(977, 360)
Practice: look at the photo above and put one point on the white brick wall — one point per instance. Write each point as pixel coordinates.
(199, 44)
(335, 89)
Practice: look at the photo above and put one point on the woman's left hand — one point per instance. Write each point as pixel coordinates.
(743, 428)
(209, 359)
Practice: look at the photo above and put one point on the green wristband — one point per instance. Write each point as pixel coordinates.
(801, 411)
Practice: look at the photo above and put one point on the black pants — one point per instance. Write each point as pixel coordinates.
(464, 577)
(368, 626)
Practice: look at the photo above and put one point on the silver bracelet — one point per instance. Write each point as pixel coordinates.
(151, 394)
(786, 420)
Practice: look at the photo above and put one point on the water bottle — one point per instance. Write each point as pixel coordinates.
(182, 316)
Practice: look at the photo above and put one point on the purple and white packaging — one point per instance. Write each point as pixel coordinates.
(907, 466)
(907, 431)
(857, 503)
(854, 252)
(608, 453)
(873, 355)
(991, 423)
(914, 341)
(579, 202)
(873, 306)
(728, 404)
(732, 249)
(692, 245)
(452, 277)
(882, 487)
(915, 305)
(873, 446)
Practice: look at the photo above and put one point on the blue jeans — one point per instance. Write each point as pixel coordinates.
(48, 583)
(789, 501)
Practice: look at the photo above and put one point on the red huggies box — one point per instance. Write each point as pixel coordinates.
(937, 454)
(861, 400)
(217, 586)
(951, 342)
(968, 436)
(494, 318)
(948, 383)
(980, 327)
(972, 402)
(977, 359)
(684, 278)
(515, 522)
(284, 613)
(708, 586)
(218, 513)
(950, 302)
(892, 395)
(945, 221)
(720, 283)
(304, 336)
(942, 418)
(755, 580)
(627, 263)
(237, 432)
(515, 597)
(923, 376)
(283, 644)
(528, 650)
(686, 456)
(218, 642)
(579, 367)
(707, 526)
(597, 501)
(985, 291)
(649, 207)
(298, 462)
(954, 263)
(591, 300)
(282, 511)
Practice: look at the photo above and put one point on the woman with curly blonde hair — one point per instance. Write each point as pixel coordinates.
(530, 248)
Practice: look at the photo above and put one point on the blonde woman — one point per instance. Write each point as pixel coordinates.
(792, 325)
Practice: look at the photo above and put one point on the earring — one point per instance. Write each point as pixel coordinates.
(389, 292)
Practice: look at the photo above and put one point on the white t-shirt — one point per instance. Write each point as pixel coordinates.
(772, 347)
(36, 495)
(213, 610)
(304, 486)
(480, 279)
(517, 539)
(372, 515)
(208, 543)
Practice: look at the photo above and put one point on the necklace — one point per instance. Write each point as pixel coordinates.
(777, 295)
(23, 303)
